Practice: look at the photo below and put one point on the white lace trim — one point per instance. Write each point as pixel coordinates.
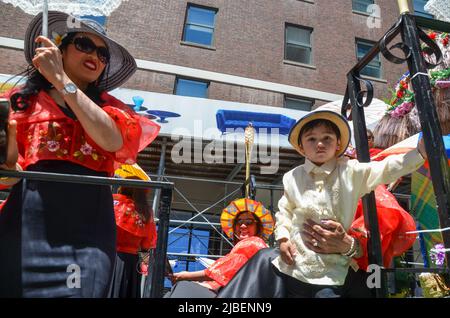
(76, 8)
(439, 8)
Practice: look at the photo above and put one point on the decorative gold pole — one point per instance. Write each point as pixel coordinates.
(403, 6)
(249, 138)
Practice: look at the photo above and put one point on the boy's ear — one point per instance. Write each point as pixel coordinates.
(300, 146)
(338, 145)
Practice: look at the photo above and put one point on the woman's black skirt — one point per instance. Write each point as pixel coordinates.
(126, 281)
(57, 239)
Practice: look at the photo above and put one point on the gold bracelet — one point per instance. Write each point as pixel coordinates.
(17, 167)
(351, 252)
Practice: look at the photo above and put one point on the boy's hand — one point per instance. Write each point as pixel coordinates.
(421, 148)
(325, 238)
(287, 252)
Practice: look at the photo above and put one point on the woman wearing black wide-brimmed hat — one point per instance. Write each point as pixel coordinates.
(58, 239)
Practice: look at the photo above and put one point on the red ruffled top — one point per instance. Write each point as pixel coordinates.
(44, 132)
(133, 232)
(223, 270)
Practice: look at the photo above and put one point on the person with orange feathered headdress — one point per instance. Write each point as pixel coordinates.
(248, 223)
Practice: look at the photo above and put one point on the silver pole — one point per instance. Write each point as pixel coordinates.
(155, 206)
(257, 186)
(191, 222)
(45, 19)
(195, 255)
(162, 162)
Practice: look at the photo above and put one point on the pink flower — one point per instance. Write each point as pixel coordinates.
(402, 109)
(437, 254)
(52, 145)
(408, 106)
(443, 83)
(86, 149)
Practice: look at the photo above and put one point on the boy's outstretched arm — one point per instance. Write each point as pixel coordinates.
(367, 176)
(421, 149)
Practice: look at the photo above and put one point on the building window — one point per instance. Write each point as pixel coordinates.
(188, 87)
(199, 26)
(361, 5)
(419, 9)
(298, 103)
(298, 44)
(373, 69)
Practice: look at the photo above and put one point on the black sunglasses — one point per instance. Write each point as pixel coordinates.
(86, 45)
(247, 222)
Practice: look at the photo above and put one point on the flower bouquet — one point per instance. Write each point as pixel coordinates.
(437, 254)
(441, 79)
(402, 101)
(400, 120)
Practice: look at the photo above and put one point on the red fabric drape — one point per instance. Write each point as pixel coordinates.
(393, 222)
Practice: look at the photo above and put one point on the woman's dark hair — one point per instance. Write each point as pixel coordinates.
(259, 226)
(319, 122)
(139, 197)
(37, 82)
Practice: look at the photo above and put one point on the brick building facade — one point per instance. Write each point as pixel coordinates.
(248, 43)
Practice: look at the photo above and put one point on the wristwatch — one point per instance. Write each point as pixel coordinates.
(69, 88)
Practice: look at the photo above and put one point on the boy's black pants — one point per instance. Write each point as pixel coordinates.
(298, 289)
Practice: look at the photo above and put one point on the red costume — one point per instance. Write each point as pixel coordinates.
(223, 270)
(53, 225)
(133, 232)
(44, 132)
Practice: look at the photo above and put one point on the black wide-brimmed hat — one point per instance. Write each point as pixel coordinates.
(121, 64)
